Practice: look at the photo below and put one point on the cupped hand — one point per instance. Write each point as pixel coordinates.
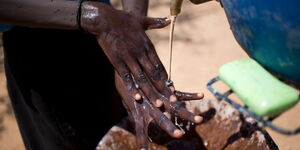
(143, 112)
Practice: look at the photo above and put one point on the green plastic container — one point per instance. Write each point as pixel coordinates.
(264, 94)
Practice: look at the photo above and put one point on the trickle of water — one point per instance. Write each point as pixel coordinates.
(150, 140)
(188, 126)
(179, 125)
(173, 21)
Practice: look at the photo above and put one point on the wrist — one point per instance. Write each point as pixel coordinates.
(137, 7)
(78, 16)
(88, 16)
(92, 16)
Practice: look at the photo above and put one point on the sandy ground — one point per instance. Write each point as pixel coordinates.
(10, 138)
(203, 42)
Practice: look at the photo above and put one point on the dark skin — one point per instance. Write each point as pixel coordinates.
(56, 14)
(142, 112)
(129, 49)
(138, 64)
(122, 36)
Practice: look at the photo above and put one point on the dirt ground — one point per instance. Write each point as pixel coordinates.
(203, 42)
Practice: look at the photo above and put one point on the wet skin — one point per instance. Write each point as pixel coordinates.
(140, 74)
(142, 112)
(128, 48)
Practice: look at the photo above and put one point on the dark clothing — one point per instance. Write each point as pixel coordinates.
(62, 88)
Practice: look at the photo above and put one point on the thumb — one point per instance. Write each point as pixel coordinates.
(156, 23)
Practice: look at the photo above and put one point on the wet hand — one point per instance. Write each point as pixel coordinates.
(124, 41)
(142, 112)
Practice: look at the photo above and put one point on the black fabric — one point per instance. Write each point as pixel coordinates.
(62, 88)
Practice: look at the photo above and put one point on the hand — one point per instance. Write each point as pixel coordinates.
(142, 113)
(124, 41)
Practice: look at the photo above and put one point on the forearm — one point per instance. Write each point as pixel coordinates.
(139, 7)
(39, 13)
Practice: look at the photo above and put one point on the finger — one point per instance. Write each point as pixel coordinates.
(127, 99)
(143, 82)
(149, 68)
(160, 119)
(184, 114)
(185, 96)
(178, 109)
(151, 73)
(136, 113)
(156, 23)
(163, 122)
(172, 88)
(154, 59)
(141, 120)
(126, 78)
(141, 135)
(159, 76)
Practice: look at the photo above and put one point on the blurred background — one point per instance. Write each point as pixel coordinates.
(202, 43)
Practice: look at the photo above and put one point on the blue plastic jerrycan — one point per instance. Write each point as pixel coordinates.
(269, 31)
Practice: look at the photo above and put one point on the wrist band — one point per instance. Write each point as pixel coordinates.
(78, 17)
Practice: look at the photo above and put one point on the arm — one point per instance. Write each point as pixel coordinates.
(41, 13)
(121, 35)
(139, 7)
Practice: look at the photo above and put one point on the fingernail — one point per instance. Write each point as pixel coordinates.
(200, 95)
(143, 148)
(198, 119)
(159, 103)
(137, 97)
(172, 88)
(177, 133)
(173, 98)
